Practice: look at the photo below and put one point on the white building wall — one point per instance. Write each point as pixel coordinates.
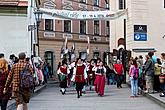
(14, 35)
(141, 12)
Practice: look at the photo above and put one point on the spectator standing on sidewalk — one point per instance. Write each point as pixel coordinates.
(149, 71)
(163, 74)
(3, 77)
(22, 96)
(118, 68)
(157, 74)
(134, 73)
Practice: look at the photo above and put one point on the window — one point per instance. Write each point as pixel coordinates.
(96, 55)
(67, 26)
(121, 4)
(96, 27)
(82, 1)
(83, 27)
(107, 28)
(48, 24)
(96, 2)
(107, 4)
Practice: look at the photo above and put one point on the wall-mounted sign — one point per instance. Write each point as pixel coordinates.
(140, 32)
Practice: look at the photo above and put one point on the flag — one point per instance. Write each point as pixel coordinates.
(66, 45)
(73, 51)
(88, 45)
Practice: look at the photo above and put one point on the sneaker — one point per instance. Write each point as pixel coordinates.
(146, 91)
(162, 95)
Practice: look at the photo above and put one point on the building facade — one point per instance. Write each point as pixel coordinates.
(144, 30)
(52, 32)
(13, 29)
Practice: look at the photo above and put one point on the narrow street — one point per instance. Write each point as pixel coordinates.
(116, 99)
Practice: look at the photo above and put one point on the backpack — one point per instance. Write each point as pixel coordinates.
(135, 73)
(26, 78)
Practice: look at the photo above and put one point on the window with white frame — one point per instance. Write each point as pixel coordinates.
(96, 2)
(107, 4)
(82, 1)
(82, 27)
(96, 28)
(67, 26)
(121, 4)
(107, 28)
(49, 24)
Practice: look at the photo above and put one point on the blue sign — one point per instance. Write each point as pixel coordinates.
(140, 37)
(140, 32)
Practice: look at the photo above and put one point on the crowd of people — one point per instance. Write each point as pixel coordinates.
(92, 74)
(147, 74)
(11, 79)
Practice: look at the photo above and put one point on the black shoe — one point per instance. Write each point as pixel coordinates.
(78, 96)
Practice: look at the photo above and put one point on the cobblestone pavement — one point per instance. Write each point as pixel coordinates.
(114, 99)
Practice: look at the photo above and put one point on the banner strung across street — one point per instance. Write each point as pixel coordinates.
(81, 15)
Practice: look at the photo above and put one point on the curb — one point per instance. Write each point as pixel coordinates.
(149, 96)
(12, 103)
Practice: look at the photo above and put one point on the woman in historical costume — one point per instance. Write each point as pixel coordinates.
(79, 76)
(63, 71)
(100, 72)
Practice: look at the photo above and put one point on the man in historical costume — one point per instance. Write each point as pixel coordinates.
(63, 72)
(79, 76)
(100, 72)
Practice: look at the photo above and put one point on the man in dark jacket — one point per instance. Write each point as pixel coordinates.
(149, 71)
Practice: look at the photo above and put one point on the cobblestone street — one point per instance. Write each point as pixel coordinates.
(116, 99)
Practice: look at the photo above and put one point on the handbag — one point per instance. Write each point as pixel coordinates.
(162, 78)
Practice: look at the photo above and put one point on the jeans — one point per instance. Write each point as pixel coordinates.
(163, 88)
(134, 86)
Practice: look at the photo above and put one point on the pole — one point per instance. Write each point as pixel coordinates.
(38, 38)
(31, 42)
(124, 52)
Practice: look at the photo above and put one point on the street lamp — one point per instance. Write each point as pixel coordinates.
(38, 17)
